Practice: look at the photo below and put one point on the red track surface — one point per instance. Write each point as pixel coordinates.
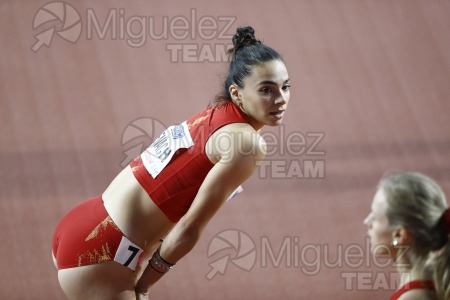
(372, 77)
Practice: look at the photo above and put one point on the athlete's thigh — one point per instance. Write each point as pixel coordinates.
(108, 280)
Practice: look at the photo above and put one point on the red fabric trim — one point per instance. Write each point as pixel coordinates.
(413, 285)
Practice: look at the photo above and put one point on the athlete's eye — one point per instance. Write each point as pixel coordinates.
(265, 90)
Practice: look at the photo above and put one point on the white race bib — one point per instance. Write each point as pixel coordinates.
(158, 155)
(128, 253)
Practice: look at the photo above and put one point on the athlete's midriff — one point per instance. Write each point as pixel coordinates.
(176, 186)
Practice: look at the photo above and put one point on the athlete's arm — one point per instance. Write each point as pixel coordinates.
(240, 154)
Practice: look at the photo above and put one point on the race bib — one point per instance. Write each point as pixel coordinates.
(128, 253)
(158, 155)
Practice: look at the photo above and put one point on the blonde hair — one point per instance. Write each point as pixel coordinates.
(416, 202)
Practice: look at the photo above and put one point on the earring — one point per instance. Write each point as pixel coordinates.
(394, 243)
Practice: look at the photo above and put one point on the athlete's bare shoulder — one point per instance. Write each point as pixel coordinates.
(236, 140)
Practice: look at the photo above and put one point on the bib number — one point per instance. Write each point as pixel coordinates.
(128, 253)
(158, 155)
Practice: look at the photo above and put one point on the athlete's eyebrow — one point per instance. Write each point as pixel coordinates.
(273, 82)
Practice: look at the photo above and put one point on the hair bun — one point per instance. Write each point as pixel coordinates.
(245, 36)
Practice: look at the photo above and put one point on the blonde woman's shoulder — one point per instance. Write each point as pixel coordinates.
(418, 294)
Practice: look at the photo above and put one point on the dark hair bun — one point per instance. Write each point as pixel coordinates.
(245, 36)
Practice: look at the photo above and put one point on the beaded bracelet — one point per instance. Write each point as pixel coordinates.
(159, 264)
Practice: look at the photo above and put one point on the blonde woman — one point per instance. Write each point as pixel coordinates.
(410, 221)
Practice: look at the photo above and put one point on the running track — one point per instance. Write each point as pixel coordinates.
(371, 78)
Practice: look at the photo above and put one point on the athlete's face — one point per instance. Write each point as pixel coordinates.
(379, 231)
(265, 94)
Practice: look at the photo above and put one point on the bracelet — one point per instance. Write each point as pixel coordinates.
(159, 264)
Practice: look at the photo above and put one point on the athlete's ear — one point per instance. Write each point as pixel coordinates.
(234, 93)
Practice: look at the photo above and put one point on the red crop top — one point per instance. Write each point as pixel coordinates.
(175, 187)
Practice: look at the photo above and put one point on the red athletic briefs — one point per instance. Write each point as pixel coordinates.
(87, 235)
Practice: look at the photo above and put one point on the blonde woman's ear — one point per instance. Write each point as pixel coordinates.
(400, 236)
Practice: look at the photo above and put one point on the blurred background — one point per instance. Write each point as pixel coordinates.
(85, 85)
